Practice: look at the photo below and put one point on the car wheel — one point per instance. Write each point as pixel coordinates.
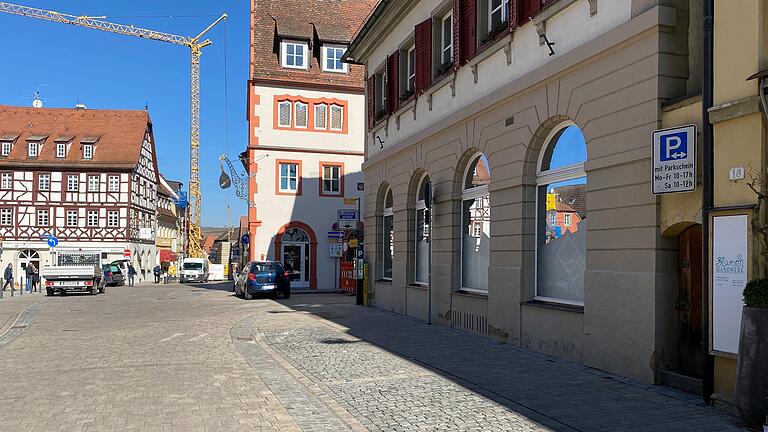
(287, 293)
(49, 292)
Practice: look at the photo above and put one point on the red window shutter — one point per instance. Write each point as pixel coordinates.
(393, 81)
(423, 55)
(371, 101)
(514, 10)
(467, 30)
(528, 8)
(456, 33)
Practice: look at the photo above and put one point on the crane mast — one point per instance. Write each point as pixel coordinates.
(194, 247)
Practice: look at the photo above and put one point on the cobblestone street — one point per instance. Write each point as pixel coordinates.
(196, 358)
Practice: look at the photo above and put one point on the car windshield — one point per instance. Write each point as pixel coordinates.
(193, 266)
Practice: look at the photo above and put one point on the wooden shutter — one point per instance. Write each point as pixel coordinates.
(423, 55)
(467, 30)
(371, 101)
(528, 8)
(514, 10)
(393, 81)
(456, 33)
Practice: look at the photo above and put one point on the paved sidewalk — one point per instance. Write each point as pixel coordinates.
(395, 373)
(10, 307)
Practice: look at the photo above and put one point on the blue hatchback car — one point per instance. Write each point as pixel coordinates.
(263, 277)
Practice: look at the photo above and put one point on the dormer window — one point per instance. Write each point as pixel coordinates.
(5, 148)
(87, 151)
(33, 148)
(61, 150)
(294, 54)
(332, 59)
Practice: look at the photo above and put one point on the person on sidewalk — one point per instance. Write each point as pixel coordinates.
(8, 277)
(156, 271)
(36, 280)
(30, 273)
(131, 274)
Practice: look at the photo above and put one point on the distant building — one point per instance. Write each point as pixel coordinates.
(87, 177)
(306, 112)
(169, 224)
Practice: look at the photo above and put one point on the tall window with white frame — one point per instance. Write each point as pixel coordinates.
(43, 219)
(410, 75)
(476, 225)
(289, 177)
(381, 94)
(423, 234)
(113, 219)
(33, 148)
(71, 218)
(332, 180)
(388, 233)
(87, 151)
(113, 183)
(561, 226)
(44, 182)
(498, 11)
(446, 41)
(93, 183)
(73, 182)
(294, 55)
(6, 216)
(61, 150)
(5, 148)
(7, 181)
(93, 218)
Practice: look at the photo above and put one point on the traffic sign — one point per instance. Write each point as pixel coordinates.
(127, 253)
(336, 234)
(347, 218)
(45, 235)
(245, 239)
(53, 241)
(674, 160)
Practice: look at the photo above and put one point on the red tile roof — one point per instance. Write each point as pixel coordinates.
(316, 21)
(120, 135)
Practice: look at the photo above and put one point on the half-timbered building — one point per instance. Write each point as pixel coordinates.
(87, 177)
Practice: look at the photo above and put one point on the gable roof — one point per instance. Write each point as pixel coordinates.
(120, 136)
(314, 21)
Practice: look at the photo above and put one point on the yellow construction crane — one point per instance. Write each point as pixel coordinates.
(195, 45)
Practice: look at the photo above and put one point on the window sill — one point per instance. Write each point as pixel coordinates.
(419, 286)
(385, 281)
(468, 293)
(555, 306)
(405, 106)
(491, 47)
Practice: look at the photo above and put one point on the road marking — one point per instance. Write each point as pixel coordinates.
(171, 337)
(196, 337)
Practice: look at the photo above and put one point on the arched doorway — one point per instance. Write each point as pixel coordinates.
(688, 304)
(296, 248)
(26, 257)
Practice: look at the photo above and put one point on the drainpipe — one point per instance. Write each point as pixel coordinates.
(707, 189)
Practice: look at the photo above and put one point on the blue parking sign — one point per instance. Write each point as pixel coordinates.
(674, 160)
(674, 146)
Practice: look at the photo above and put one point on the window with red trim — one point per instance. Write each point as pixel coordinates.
(331, 179)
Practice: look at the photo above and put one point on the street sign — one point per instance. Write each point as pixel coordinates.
(127, 253)
(336, 234)
(336, 250)
(674, 160)
(347, 218)
(53, 241)
(360, 186)
(245, 239)
(45, 235)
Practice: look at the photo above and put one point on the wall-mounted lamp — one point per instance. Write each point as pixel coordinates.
(381, 143)
(541, 30)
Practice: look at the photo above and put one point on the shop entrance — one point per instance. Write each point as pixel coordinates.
(296, 257)
(688, 304)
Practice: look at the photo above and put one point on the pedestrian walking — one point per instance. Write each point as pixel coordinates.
(36, 281)
(8, 276)
(30, 272)
(157, 271)
(131, 274)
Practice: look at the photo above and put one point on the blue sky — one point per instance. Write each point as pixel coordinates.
(111, 71)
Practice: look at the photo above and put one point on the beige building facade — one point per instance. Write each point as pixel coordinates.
(573, 127)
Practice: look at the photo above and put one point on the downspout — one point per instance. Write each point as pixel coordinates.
(707, 190)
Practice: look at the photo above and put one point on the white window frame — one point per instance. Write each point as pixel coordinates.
(387, 212)
(290, 113)
(383, 90)
(504, 6)
(324, 58)
(43, 179)
(567, 219)
(338, 179)
(69, 214)
(330, 117)
(296, 115)
(113, 183)
(113, 219)
(87, 151)
(443, 46)
(284, 54)
(92, 222)
(545, 178)
(47, 221)
(73, 187)
(324, 126)
(6, 148)
(467, 195)
(61, 150)
(33, 148)
(6, 182)
(410, 69)
(288, 176)
(93, 187)
(6, 216)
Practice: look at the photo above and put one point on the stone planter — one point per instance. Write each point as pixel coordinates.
(751, 393)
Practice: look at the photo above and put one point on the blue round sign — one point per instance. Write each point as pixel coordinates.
(53, 241)
(245, 239)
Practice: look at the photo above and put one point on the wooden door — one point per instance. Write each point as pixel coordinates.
(688, 305)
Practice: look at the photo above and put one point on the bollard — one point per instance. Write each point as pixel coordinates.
(2, 287)
(22, 287)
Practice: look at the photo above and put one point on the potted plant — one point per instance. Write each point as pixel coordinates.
(751, 393)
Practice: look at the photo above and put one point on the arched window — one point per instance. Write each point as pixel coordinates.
(295, 235)
(561, 224)
(476, 225)
(388, 246)
(423, 233)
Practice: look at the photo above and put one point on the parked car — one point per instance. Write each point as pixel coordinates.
(113, 276)
(263, 277)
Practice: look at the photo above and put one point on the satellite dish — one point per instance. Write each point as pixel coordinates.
(37, 103)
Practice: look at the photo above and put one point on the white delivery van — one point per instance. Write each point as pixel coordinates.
(194, 270)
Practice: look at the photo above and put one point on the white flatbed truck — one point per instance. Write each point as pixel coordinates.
(74, 272)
